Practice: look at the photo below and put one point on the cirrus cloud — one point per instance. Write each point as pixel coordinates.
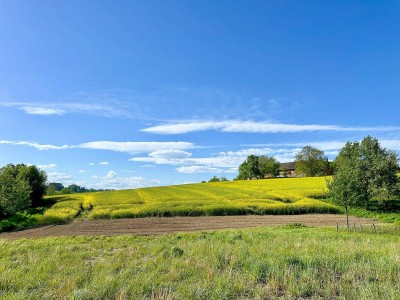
(252, 127)
(128, 147)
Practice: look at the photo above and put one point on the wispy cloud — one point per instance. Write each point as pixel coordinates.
(136, 147)
(104, 163)
(99, 108)
(128, 147)
(166, 102)
(47, 167)
(38, 110)
(59, 177)
(198, 169)
(252, 127)
(170, 154)
(36, 145)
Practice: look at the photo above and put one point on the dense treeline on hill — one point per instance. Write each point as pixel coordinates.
(56, 188)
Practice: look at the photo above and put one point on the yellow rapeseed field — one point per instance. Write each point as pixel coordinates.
(270, 196)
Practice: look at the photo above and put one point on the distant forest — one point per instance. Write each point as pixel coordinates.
(56, 188)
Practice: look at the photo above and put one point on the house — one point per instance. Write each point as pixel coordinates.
(287, 169)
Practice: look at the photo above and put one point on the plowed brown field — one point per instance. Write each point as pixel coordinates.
(152, 226)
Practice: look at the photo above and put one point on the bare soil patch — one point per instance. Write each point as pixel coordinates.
(162, 225)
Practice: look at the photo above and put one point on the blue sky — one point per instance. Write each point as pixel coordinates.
(124, 94)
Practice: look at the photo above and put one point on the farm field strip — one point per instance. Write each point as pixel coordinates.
(151, 226)
(275, 196)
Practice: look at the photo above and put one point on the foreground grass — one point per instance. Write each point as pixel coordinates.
(264, 263)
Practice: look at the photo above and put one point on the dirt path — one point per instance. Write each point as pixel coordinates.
(152, 226)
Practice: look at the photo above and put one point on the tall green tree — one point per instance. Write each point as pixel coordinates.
(249, 169)
(37, 182)
(14, 191)
(345, 188)
(311, 162)
(370, 173)
(268, 166)
(378, 167)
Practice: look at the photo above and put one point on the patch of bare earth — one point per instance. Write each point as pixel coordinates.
(153, 226)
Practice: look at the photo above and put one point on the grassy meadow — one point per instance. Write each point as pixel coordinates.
(265, 263)
(274, 196)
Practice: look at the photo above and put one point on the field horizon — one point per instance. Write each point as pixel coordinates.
(269, 196)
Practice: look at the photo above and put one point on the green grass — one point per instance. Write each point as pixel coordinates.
(389, 217)
(291, 262)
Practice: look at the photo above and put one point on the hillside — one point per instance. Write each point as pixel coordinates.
(273, 196)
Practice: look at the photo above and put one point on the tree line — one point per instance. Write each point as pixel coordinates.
(57, 188)
(309, 162)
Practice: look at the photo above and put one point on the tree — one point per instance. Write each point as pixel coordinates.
(214, 179)
(14, 191)
(77, 189)
(311, 162)
(36, 180)
(378, 167)
(345, 189)
(244, 172)
(268, 166)
(65, 191)
(249, 168)
(364, 171)
(53, 188)
(16, 181)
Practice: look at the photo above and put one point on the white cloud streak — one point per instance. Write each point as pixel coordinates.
(128, 147)
(47, 167)
(44, 111)
(198, 169)
(136, 147)
(100, 108)
(59, 177)
(41, 147)
(252, 127)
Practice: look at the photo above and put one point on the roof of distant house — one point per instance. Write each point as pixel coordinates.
(287, 166)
